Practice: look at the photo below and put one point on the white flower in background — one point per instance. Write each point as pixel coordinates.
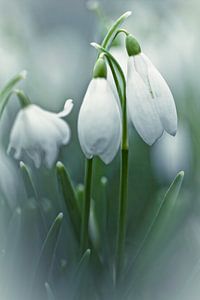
(99, 121)
(40, 133)
(172, 154)
(11, 187)
(150, 102)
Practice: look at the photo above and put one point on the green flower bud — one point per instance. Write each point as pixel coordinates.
(132, 45)
(100, 69)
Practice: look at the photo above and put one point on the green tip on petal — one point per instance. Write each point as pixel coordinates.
(132, 46)
(100, 69)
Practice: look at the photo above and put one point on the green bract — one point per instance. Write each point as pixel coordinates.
(100, 69)
(132, 46)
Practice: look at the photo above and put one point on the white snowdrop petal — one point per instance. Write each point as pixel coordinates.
(141, 64)
(108, 155)
(164, 100)
(35, 155)
(50, 156)
(17, 153)
(67, 109)
(63, 130)
(141, 107)
(39, 132)
(99, 121)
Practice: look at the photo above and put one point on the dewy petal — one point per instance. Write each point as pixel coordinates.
(164, 100)
(99, 121)
(67, 109)
(141, 106)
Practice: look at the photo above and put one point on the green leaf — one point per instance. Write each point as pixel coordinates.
(160, 229)
(28, 182)
(7, 90)
(46, 256)
(50, 294)
(80, 278)
(113, 29)
(70, 199)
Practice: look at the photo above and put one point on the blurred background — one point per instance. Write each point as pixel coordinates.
(51, 40)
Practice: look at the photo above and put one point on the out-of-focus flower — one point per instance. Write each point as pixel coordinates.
(11, 187)
(40, 133)
(99, 121)
(150, 102)
(172, 154)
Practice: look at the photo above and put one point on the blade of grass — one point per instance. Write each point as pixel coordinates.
(70, 199)
(159, 230)
(46, 257)
(6, 92)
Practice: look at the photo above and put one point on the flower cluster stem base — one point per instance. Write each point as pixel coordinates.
(86, 206)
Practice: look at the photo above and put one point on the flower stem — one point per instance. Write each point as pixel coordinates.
(121, 226)
(86, 208)
(113, 28)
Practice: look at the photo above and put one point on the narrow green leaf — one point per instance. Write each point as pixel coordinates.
(46, 256)
(69, 197)
(28, 182)
(82, 265)
(162, 221)
(113, 29)
(50, 294)
(161, 227)
(80, 278)
(7, 90)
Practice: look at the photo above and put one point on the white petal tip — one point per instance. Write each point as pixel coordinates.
(173, 133)
(67, 108)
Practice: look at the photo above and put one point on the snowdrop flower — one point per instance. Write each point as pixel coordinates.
(150, 102)
(40, 133)
(99, 121)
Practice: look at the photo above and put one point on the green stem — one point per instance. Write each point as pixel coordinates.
(113, 28)
(115, 79)
(121, 230)
(117, 65)
(121, 30)
(23, 99)
(121, 226)
(86, 208)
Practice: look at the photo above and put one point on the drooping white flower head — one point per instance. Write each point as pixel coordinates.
(150, 102)
(99, 121)
(40, 133)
